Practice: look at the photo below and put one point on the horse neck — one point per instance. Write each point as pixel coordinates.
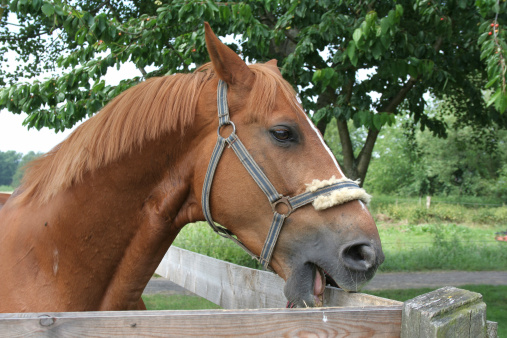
(123, 218)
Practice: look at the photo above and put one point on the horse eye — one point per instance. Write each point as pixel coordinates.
(281, 134)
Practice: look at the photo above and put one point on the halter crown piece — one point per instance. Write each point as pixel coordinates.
(325, 193)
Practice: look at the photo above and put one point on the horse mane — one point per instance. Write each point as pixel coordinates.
(141, 113)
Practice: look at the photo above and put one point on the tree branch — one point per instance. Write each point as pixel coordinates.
(393, 103)
(348, 164)
(99, 7)
(364, 157)
(142, 70)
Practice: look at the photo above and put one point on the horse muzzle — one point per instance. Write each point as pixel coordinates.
(349, 266)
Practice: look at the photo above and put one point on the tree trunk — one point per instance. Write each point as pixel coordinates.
(355, 168)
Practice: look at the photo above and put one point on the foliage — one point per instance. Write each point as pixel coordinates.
(9, 161)
(18, 175)
(414, 212)
(12, 168)
(408, 48)
(410, 162)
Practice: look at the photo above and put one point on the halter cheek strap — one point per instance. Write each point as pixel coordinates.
(275, 199)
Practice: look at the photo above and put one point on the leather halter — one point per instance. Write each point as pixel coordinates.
(275, 199)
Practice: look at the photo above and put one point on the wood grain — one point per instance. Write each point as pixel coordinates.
(322, 322)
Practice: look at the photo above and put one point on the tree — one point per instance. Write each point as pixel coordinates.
(408, 161)
(9, 161)
(453, 49)
(20, 170)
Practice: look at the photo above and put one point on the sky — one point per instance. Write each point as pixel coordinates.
(15, 136)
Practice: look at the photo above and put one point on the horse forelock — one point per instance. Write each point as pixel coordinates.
(140, 114)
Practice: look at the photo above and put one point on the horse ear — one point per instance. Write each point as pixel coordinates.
(273, 64)
(228, 65)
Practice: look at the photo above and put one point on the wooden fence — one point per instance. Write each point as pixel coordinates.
(254, 305)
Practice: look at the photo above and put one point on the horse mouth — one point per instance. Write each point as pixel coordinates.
(319, 280)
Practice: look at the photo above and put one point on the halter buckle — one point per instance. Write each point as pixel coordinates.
(226, 124)
(285, 209)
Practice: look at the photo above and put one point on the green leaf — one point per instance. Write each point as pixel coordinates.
(59, 10)
(317, 76)
(482, 38)
(391, 16)
(494, 97)
(376, 51)
(212, 5)
(357, 34)
(321, 113)
(399, 10)
(48, 9)
(492, 81)
(384, 26)
(501, 103)
(377, 121)
(351, 52)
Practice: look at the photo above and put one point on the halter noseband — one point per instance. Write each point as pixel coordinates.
(275, 199)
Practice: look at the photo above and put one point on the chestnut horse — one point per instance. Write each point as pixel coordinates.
(94, 217)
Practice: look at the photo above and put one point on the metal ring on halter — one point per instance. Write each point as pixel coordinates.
(283, 200)
(225, 124)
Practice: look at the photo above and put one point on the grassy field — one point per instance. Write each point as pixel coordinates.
(494, 296)
(408, 247)
(6, 188)
(422, 247)
(177, 302)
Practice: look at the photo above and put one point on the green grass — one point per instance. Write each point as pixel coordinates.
(177, 302)
(6, 188)
(495, 297)
(441, 247)
(419, 247)
(198, 237)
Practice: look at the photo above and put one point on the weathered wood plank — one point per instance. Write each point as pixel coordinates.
(235, 287)
(492, 329)
(446, 312)
(321, 322)
(229, 285)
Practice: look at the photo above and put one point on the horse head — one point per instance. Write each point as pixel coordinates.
(331, 235)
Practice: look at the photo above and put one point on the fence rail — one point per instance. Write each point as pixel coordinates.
(377, 321)
(449, 311)
(235, 287)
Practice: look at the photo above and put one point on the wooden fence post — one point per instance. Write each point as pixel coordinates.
(446, 312)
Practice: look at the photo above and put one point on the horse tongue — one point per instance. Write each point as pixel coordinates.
(318, 287)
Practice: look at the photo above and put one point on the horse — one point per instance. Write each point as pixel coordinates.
(94, 217)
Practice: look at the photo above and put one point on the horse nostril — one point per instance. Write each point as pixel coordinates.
(359, 257)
